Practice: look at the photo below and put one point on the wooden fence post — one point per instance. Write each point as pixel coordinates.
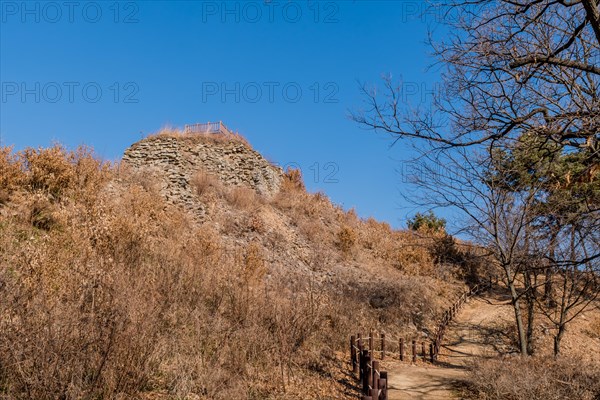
(371, 346)
(369, 374)
(382, 345)
(360, 365)
(352, 350)
(431, 355)
(359, 342)
(414, 350)
(383, 385)
(401, 348)
(365, 371)
(423, 351)
(375, 380)
(353, 353)
(360, 355)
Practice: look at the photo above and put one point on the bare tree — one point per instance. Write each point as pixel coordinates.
(573, 251)
(510, 67)
(493, 215)
(505, 198)
(514, 70)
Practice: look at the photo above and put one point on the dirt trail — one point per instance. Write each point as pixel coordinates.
(476, 332)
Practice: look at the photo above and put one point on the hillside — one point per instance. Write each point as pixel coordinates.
(195, 269)
(479, 359)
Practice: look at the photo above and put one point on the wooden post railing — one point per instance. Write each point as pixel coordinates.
(363, 361)
(401, 348)
(373, 381)
(452, 311)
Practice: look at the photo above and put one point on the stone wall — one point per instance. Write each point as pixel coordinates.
(174, 160)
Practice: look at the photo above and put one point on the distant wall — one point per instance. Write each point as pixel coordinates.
(177, 159)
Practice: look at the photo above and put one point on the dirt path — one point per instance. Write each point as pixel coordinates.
(477, 331)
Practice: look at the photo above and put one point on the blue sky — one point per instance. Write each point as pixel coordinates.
(283, 73)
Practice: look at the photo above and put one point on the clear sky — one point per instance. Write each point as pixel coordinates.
(283, 73)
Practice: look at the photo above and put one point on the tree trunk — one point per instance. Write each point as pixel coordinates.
(549, 276)
(518, 317)
(548, 289)
(557, 339)
(530, 297)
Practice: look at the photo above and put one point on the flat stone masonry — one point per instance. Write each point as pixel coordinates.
(177, 159)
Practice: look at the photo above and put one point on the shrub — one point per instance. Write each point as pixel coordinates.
(132, 297)
(11, 173)
(4, 196)
(49, 170)
(593, 329)
(346, 239)
(292, 180)
(427, 221)
(254, 267)
(202, 182)
(312, 230)
(42, 215)
(444, 250)
(255, 223)
(242, 197)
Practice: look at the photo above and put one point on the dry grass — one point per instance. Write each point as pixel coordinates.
(129, 297)
(432, 254)
(534, 378)
(242, 198)
(11, 174)
(346, 239)
(108, 292)
(594, 328)
(200, 137)
(202, 182)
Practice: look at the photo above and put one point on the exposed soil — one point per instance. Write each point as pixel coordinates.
(479, 330)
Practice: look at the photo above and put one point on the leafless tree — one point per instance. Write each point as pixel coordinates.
(510, 66)
(513, 69)
(574, 257)
(493, 216)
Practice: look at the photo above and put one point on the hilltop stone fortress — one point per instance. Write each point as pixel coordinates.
(174, 159)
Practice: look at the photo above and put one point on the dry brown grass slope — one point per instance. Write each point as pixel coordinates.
(172, 279)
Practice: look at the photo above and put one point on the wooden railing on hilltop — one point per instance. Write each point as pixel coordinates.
(208, 127)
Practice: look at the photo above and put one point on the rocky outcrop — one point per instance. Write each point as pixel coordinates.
(176, 160)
